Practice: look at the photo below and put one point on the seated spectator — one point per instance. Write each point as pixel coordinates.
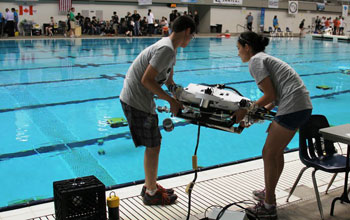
(131, 25)
(79, 17)
(96, 29)
(87, 26)
(164, 26)
(81, 22)
(123, 26)
(157, 27)
(49, 29)
(143, 26)
(102, 25)
(109, 28)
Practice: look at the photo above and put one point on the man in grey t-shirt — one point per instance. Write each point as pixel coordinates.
(249, 19)
(152, 68)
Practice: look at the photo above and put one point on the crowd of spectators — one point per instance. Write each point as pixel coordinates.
(327, 25)
(129, 25)
(138, 25)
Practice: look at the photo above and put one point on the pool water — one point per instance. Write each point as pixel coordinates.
(56, 96)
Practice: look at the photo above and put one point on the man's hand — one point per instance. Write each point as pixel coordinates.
(175, 106)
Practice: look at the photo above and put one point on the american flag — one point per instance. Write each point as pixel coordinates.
(65, 5)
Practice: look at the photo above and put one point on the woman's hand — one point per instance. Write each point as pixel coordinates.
(239, 114)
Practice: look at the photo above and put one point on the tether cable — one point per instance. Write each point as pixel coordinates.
(190, 186)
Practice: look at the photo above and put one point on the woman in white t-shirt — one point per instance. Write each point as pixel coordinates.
(282, 87)
(150, 22)
(342, 25)
(323, 21)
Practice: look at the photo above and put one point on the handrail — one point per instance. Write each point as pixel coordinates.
(238, 25)
(244, 27)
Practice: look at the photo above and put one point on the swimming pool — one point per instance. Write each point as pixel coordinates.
(56, 96)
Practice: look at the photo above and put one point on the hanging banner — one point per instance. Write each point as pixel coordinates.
(293, 7)
(345, 10)
(262, 19)
(189, 1)
(320, 6)
(228, 2)
(25, 10)
(145, 2)
(273, 3)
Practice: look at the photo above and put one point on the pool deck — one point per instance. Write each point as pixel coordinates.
(222, 186)
(85, 36)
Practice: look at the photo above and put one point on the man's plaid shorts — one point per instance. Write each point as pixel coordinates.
(143, 126)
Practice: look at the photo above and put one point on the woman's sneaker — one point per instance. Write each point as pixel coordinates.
(168, 191)
(159, 198)
(261, 212)
(259, 195)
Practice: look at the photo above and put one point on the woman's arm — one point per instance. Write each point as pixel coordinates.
(266, 100)
(269, 92)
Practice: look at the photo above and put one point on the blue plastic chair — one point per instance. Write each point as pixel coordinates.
(272, 33)
(288, 32)
(279, 32)
(317, 153)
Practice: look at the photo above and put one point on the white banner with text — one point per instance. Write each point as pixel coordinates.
(273, 3)
(145, 2)
(229, 2)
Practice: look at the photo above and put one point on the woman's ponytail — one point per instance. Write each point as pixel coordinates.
(256, 41)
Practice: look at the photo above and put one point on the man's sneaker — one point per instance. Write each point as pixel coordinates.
(159, 198)
(159, 187)
(260, 212)
(259, 195)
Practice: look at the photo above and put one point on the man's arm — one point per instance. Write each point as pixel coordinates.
(170, 80)
(148, 81)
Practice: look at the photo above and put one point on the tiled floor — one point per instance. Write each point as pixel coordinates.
(214, 187)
